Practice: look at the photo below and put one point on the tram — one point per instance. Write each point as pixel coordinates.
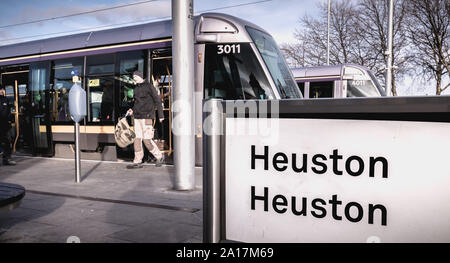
(234, 59)
(337, 81)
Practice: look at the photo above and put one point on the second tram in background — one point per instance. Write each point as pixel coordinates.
(337, 81)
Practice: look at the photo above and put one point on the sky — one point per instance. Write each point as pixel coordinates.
(279, 17)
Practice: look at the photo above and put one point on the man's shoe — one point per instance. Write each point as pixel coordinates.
(134, 166)
(9, 162)
(160, 161)
(151, 159)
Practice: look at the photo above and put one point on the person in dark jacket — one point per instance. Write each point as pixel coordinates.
(146, 99)
(5, 126)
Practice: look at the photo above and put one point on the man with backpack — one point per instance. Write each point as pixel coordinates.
(145, 101)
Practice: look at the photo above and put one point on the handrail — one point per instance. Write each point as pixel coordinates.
(16, 114)
(170, 107)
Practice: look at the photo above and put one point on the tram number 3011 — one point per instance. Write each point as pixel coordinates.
(229, 49)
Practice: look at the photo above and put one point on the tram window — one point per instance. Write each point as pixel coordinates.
(100, 64)
(22, 90)
(361, 88)
(235, 74)
(377, 84)
(62, 82)
(41, 95)
(10, 96)
(301, 86)
(101, 104)
(275, 62)
(323, 89)
(128, 63)
(163, 84)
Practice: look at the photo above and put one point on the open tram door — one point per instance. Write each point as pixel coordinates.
(161, 75)
(15, 81)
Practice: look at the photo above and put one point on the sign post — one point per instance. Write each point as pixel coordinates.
(212, 129)
(77, 107)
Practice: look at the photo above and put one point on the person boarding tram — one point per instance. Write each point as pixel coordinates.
(145, 101)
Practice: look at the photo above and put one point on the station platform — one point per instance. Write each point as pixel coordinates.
(112, 204)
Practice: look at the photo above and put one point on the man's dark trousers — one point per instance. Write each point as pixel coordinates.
(6, 145)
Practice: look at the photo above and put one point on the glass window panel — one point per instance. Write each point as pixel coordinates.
(276, 64)
(100, 64)
(361, 88)
(40, 91)
(39, 74)
(301, 86)
(128, 63)
(323, 89)
(9, 80)
(62, 82)
(10, 95)
(234, 75)
(101, 95)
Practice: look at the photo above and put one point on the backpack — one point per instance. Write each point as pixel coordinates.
(123, 134)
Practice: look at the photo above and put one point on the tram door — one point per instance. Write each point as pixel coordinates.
(40, 96)
(15, 82)
(161, 76)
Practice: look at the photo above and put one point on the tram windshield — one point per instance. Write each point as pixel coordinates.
(233, 72)
(276, 64)
(364, 87)
(377, 84)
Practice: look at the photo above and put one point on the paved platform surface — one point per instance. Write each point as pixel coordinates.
(111, 204)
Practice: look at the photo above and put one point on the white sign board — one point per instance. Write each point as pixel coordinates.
(312, 180)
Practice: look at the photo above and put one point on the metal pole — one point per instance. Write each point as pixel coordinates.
(328, 33)
(389, 52)
(16, 114)
(213, 121)
(77, 153)
(183, 94)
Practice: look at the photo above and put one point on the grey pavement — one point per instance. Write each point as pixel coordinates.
(111, 204)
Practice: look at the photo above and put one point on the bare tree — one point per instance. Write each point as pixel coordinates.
(345, 44)
(313, 39)
(373, 20)
(295, 52)
(343, 16)
(429, 32)
(358, 34)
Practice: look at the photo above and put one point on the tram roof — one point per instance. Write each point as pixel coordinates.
(135, 33)
(323, 70)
